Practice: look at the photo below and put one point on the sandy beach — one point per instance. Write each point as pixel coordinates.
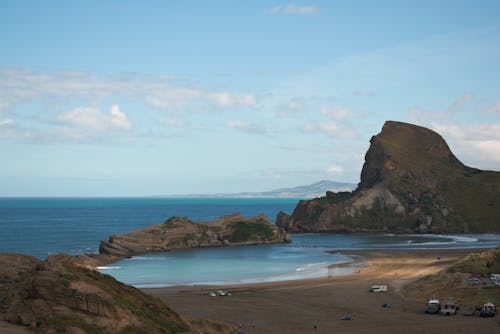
(317, 305)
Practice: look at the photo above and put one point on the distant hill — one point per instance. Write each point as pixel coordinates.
(410, 182)
(309, 191)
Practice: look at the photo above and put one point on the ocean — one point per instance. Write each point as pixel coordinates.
(44, 226)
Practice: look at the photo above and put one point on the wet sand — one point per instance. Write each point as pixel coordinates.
(317, 305)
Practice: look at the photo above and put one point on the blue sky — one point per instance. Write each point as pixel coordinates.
(131, 98)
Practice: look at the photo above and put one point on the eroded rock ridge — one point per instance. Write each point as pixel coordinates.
(182, 233)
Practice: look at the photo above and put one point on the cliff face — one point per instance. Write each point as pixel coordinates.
(410, 182)
(180, 233)
(57, 295)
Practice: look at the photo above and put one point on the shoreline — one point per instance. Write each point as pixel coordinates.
(296, 306)
(94, 261)
(360, 261)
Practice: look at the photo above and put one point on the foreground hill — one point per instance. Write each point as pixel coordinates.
(410, 182)
(58, 296)
(180, 233)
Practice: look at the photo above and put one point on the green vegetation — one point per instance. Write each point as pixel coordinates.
(454, 281)
(484, 264)
(251, 231)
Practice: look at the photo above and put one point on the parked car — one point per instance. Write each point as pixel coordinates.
(433, 306)
(489, 310)
(378, 288)
(450, 307)
(474, 281)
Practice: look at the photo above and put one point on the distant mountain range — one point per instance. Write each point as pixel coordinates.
(317, 189)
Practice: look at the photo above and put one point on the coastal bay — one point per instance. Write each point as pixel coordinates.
(297, 306)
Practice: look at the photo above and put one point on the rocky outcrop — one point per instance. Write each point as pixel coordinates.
(410, 182)
(56, 295)
(181, 233)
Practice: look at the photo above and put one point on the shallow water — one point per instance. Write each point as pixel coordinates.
(305, 257)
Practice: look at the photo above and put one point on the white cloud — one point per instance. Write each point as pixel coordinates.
(6, 122)
(475, 145)
(118, 119)
(338, 113)
(11, 130)
(246, 126)
(332, 129)
(95, 121)
(423, 115)
(469, 132)
(334, 169)
(18, 85)
(3, 105)
(228, 100)
(329, 127)
(495, 108)
(292, 108)
(176, 99)
(175, 123)
(461, 100)
(292, 9)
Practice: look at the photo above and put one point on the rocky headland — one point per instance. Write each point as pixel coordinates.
(411, 182)
(183, 233)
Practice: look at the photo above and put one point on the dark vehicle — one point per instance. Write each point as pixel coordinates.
(433, 306)
(489, 310)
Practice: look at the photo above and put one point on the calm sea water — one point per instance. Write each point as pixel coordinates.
(45, 226)
(305, 257)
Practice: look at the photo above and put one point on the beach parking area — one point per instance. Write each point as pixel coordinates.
(318, 305)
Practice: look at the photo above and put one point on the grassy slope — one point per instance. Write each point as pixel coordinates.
(473, 194)
(480, 264)
(453, 282)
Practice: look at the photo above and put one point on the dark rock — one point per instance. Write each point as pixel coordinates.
(410, 182)
(180, 233)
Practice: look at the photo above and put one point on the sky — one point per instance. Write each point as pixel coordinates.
(141, 98)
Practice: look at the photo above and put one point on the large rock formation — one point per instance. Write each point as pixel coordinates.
(56, 295)
(410, 182)
(180, 233)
